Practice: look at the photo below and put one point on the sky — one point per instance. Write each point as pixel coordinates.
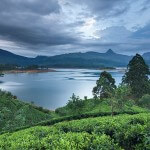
(52, 27)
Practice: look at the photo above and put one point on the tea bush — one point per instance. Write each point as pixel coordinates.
(15, 114)
(101, 133)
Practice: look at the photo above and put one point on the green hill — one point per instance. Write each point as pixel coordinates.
(86, 124)
(15, 113)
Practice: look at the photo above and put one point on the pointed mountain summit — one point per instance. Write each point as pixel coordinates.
(110, 51)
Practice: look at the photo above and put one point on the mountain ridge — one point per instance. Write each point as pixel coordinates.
(88, 59)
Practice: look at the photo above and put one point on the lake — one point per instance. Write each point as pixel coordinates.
(53, 89)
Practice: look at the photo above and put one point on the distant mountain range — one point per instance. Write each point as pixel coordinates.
(72, 60)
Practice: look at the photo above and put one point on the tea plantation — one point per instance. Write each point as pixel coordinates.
(129, 132)
(15, 113)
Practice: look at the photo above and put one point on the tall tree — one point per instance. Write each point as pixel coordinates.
(137, 76)
(105, 85)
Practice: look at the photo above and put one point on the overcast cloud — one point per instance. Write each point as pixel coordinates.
(50, 27)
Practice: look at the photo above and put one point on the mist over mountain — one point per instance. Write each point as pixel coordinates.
(72, 60)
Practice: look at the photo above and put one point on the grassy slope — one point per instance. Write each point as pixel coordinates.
(97, 106)
(15, 113)
(119, 132)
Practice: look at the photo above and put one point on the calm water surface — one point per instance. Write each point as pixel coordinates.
(53, 89)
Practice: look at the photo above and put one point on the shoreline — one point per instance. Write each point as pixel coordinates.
(29, 71)
(15, 71)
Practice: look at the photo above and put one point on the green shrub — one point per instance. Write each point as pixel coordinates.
(101, 133)
(145, 101)
(51, 138)
(74, 106)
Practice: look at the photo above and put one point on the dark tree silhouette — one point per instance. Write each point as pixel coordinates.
(137, 76)
(105, 86)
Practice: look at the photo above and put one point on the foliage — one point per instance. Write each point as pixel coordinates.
(119, 132)
(75, 104)
(121, 103)
(57, 119)
(122, 92)
(51, 138)
(14, 113)
(105, 85)
(137, 76)
(145, 101)
(120, 98)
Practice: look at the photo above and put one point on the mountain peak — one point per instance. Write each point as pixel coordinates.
(110, 51)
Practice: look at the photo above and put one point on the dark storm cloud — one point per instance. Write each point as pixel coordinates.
(105, 8)
(25, 22)
(124, 12)
(60, 26)
(142, 33)
(34, 36)
(30, 6)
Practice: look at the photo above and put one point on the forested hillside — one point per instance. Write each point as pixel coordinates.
(15, 113)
